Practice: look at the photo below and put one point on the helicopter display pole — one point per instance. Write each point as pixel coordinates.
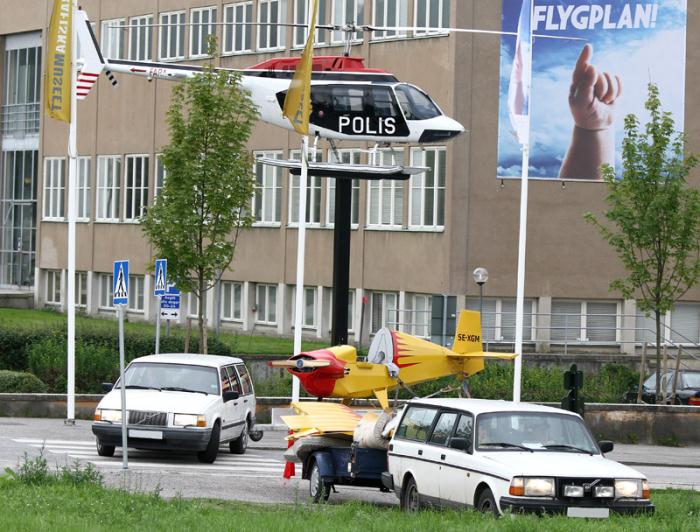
(519, 105)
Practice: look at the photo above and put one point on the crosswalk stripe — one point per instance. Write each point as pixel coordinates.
(167, 462)
(190, 466)
(54, 442)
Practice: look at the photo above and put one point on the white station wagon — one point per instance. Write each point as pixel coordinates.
(498, 456)
(179, 402)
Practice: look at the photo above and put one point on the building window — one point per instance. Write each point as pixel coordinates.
(348, 11)
(313, 194)
(136, 187)
(267, 198)
(390, 13)
(53, 287)
(202, 25)
(584, 321)
(308, 307)
(81, 290)
(351, 311)
(140, 38)
(231, 301)
(428, 189)
(54, 188)
(136, 293)
(84, 188)
(192, 305)
(160, 176)
(108, 187)
(270, 14)
(498, 318)
(385, 196)
(113, 41)
(347, 156)
(421, 314)
(172, 36)
(301, 16)
(22, 78)
(106, 301)
(266, 304)
(384, 310)
(238, 32)
(685, 323)
(431, 14)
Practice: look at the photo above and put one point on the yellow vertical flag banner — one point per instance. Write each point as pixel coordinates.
(297, 103)
(58, 69)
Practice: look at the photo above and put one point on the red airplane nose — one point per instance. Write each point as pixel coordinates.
(318, 381)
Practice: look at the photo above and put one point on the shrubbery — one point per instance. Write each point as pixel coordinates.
(20, 382)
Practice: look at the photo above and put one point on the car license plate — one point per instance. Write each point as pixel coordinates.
(596, 513)
(146, 434)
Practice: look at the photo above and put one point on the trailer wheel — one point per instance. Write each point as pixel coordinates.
(319, 490)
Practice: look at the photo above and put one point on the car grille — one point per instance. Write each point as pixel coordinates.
(138, 417)
(587, 484)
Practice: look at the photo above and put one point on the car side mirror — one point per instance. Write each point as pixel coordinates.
(230, 396)
(461, 444)
(606, 446)
(107, 386)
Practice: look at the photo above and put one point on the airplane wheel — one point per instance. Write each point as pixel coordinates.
(318, 489)
(410, 498)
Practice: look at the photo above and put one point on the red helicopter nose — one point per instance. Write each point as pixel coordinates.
(318, 380)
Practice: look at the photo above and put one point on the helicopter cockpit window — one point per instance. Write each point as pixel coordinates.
(415, 104)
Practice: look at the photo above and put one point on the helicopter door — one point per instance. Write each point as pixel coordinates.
(356, 110)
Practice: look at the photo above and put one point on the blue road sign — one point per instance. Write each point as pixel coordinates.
(170, 304)
(120, 284)
(161, 286)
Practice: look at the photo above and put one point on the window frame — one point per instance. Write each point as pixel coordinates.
(109, 205)
(84, 199)
(402, 436)
(442, 13)
(133, 209)
(233, 286)
(314, 191)
(301, 16)
(197, 30)
(108, 43)
(52, 293)
(81, 289)
(266, 32)
(261, 190)
(354, 156)
(234, 28)
(106, 283)
(139, 51)
(418, 190)
(54, 200)
(137, 294)
(267, 287)
(401, 19)
(170, 30)
(397, 196)
(338, 18)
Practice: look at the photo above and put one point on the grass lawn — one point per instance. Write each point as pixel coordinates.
(62, 506)
(243, 343)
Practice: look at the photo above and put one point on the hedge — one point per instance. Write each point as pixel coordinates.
(20, 382)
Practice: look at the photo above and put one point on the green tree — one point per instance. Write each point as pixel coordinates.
(653, 215)
(197, 218)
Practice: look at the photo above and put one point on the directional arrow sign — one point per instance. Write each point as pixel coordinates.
(161, 285)
(170, 304)
(120, 286)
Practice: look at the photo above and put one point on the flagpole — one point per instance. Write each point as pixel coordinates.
(72, 167)
(524, 181)
(301, 246)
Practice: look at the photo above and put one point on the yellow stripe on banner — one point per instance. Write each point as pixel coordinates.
(297, 103)
(57, 84)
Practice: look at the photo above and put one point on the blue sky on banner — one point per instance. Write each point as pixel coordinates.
(634, 39)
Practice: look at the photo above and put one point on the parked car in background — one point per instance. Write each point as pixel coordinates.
(499, 456)
(179, 402)
(687, 388)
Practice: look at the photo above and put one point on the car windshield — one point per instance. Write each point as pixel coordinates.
(415, 104)
(174, 377)
(532, 431)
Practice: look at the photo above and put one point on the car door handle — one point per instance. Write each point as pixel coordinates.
(234, 404)
(245, 400)
(420, 452)
(442, 457)
(391, 446)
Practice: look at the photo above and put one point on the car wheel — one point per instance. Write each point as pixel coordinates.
(486, 503)
(104, 450)
(318, 489)
(410, 498)
(240, 444)
(208, 455)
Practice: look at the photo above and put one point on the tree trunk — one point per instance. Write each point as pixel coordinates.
(657, 315)
(200, 315)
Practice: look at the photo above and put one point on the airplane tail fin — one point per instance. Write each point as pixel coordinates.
(90, 56)
(468, 343)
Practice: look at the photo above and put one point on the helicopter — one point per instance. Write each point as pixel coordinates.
(349, 101)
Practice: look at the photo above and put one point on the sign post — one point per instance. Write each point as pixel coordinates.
(120, 299)
(159, 290)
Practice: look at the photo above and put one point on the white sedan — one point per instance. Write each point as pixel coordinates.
(500, 456)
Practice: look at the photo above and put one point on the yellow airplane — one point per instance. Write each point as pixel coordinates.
(394, 359)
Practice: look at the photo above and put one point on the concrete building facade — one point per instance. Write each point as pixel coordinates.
(412, 242)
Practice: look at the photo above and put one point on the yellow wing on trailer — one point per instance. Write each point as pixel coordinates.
(319, 418)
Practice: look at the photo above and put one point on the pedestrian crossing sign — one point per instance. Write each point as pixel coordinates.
(120, 285)
(161, 286)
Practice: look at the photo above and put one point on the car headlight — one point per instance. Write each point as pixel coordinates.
(111, 416)
(631, 489)
(189, 420)
(532, 487)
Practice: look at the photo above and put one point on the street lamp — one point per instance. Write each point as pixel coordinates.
(481, 275)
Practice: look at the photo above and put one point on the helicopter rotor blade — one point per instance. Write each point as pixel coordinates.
(427, 29)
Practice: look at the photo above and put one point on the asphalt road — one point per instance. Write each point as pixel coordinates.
(257, 475)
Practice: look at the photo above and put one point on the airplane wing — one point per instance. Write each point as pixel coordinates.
(347, 171)
(317, 418)
(484, 354)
